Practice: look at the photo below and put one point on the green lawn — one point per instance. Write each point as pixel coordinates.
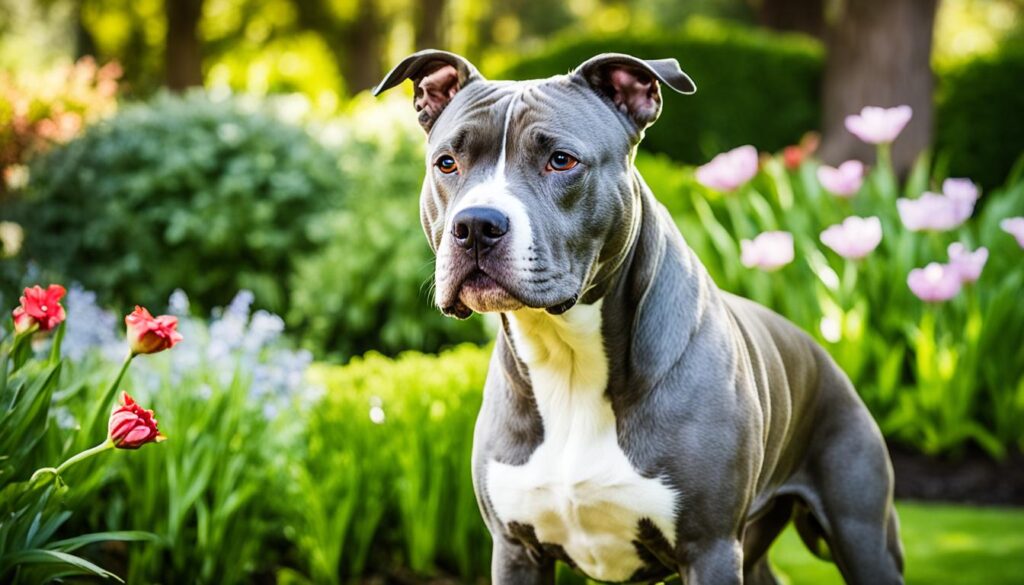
(949, 545)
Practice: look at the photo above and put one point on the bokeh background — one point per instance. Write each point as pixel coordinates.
(221, 160)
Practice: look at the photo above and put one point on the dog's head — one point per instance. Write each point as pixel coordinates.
(530, 192)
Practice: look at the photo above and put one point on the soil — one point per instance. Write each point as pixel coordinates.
(972, 477)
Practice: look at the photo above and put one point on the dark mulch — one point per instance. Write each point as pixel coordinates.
(971, 477)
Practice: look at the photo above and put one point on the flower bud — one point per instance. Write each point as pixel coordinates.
(148, 334)
(132, 426)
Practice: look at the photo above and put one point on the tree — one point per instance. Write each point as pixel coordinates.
(356, 41)
(878, 53)
(183, 62)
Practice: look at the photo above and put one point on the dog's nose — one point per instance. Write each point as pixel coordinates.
(481, 227)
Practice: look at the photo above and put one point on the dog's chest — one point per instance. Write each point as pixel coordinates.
(578, 489)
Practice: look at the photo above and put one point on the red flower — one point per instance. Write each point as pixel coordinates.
(148, 334)
(793, 157)
(132, 426)
(40, 308)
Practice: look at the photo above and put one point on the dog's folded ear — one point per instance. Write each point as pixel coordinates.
(436, 75)
(632, 84)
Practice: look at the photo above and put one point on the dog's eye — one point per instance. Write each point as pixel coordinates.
(561, 161)
(447, 165)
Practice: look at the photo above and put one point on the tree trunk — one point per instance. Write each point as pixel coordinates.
(806, 16)
(428, 24)
(182, 58)
(879, 54)
(360, 58)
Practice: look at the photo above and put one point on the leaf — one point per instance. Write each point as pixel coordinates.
(73, 544)
(39, 556)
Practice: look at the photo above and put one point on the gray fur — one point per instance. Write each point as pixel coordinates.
(742, 413)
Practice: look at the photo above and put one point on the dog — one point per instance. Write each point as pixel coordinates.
(637, 422)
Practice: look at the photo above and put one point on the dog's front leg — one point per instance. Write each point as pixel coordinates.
(715, 562)
(512, 564)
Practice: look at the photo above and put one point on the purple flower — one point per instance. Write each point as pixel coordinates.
(768, 251)
(843, 181)
(855, 238)
(729, 170)
(935, 282)
(966, 263)
(879, 125)
(1015, 227)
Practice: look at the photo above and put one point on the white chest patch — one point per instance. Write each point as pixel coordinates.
(578, 489)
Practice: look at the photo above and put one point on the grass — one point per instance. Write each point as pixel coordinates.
(953, 545)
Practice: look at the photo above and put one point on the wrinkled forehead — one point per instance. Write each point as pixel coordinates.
(559, 109)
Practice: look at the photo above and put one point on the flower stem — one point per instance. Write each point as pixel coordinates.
(104, 405)
(105, 445)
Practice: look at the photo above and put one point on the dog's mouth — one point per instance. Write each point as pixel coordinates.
(483, 293)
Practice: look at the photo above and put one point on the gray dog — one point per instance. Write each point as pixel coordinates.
(637, 422)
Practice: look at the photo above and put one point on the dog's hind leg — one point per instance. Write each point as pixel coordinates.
(852, 483)
(758, 538)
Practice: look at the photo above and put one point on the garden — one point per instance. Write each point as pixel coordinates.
(221, 361)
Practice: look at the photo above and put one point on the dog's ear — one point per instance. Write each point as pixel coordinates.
(632, 85)
(436, 75)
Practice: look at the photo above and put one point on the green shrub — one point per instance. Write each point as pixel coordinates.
(369, 286)
(980, 129)
(206, 195)
(753, 87)
(386, 476)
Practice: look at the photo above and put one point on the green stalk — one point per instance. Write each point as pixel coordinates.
(104, 446)
(103, 407)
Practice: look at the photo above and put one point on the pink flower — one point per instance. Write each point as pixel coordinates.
(768, 251)
(879, 125)
(131, 426)
(932, 211)
(39, 309)
(148, 334)
(855, 238)
(843, 181)
(935, 282)
(963, 194)
(1015, 227)
(967, 264)
(729, 170)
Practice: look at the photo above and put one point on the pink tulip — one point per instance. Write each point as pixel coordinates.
(768, 251)
(963, 194)
(1015, 227)
(879, 125)
(967, 264)
(935, 282)
(931, 211)
(855, 238)
(729, 170)
(843, 181)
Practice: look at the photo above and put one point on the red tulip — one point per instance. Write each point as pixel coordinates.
(132, 426)
(40, 308)
(148, 334)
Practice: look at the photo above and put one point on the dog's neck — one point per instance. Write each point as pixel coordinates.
(655, 287)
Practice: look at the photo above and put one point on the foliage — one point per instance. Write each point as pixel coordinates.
(979, 129)
(191, 192)
(369, 286)
(389, 451)
(935, 376)
(33, 509)
(753, 86)
(231, 399)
